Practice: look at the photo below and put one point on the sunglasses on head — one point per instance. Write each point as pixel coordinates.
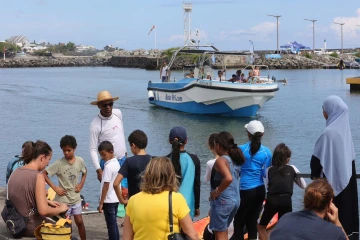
(107, 104)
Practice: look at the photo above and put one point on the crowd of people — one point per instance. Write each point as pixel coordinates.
(241, 178)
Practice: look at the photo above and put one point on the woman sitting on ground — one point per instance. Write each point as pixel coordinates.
(319, 220)
(26, 187)
(147, 213)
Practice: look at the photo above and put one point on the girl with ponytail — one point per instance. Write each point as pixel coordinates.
(26, 187)
(225, 197)
(252, 188)
(309, 223)
(187, 169)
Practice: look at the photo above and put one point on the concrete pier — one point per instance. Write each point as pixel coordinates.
(354, 84)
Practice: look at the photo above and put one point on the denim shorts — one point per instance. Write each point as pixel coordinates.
(74, 209)
(222, 213)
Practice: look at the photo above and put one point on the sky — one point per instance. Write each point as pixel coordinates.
(228, 24)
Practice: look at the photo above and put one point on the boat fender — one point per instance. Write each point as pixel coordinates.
(151, 95)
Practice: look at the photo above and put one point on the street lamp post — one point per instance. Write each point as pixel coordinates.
(277, 30)
(342, 40)
(313, 21)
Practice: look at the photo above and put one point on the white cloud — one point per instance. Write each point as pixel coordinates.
(176, 37)
(351, 32)
(261, 30)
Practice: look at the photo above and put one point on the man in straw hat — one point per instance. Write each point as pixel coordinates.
(106, 126)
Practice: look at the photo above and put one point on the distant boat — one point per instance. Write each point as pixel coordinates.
(197, 95)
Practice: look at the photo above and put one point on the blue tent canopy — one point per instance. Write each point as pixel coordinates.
(295, 45)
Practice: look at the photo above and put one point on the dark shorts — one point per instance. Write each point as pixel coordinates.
(164, 78)
(280, 204)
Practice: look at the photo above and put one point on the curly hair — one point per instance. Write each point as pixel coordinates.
(68, 140)
(159, 176)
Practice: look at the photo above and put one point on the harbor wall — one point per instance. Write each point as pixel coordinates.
(153, 63)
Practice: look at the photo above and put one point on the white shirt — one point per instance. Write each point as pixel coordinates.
(209, 167)
(164, 71)
(107, 129)
(222, 78)
(111, 169)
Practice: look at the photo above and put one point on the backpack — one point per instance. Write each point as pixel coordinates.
(15, 163)
(61, 230)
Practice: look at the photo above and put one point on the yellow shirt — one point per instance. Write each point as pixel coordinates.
(149, 214)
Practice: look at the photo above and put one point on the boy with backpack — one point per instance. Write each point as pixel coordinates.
(68, 169)
(17, 161)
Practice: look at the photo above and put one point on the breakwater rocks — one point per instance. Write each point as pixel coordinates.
(54, 62)
(153, 63)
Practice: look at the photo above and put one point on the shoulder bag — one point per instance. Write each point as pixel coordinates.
(15, 223)
(174, 236)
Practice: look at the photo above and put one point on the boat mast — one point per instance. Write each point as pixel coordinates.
(187, 23)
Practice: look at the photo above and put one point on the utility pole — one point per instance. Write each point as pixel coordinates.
(313, 21)
(277, 30)
(342, 40)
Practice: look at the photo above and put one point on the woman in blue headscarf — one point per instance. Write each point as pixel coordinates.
(334, 159)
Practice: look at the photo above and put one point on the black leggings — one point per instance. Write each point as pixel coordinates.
(248, 212)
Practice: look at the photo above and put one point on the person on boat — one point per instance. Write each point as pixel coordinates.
(147, 213)
(187, 168)
(256, 71)
(220, 76)
(252, 188)
(208, 76)
(252, 78)
(210, 163)
(224, 195)
(135, 165)
(238, 75)
(280, 178)
(334, 159)
(26, 188)
(17, 161)
(191, 75)
(232, 79)
(319, 220)
(106, 126)
(164, 72)
(242, 78)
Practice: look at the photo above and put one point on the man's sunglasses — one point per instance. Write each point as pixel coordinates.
(104, 105)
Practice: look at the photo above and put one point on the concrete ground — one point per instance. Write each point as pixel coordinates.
(94, 223)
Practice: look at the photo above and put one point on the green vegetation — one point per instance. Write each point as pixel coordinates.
(334, 54)
(9, 47)
(357, 54)
(170, 51)
(59, 48)
(308, 55)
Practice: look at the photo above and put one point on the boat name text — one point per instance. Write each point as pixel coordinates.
(173, 97)
(208, 83)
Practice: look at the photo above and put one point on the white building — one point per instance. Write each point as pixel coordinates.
(83, 48)
(20, 41)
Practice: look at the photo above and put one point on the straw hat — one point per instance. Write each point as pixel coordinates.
(104, 96)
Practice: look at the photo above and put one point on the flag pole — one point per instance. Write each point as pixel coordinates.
(157, 55)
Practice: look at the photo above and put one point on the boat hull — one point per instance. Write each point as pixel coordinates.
(210, 97)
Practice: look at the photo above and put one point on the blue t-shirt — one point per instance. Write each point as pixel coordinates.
(187, 182)
(253, 170)
(305, 225)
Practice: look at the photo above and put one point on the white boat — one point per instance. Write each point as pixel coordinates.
(197, 95)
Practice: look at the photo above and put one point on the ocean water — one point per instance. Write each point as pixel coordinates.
(48, 103)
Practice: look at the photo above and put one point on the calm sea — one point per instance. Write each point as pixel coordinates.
(47, 103)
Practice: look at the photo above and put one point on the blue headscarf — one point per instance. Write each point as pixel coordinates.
(335, 147)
